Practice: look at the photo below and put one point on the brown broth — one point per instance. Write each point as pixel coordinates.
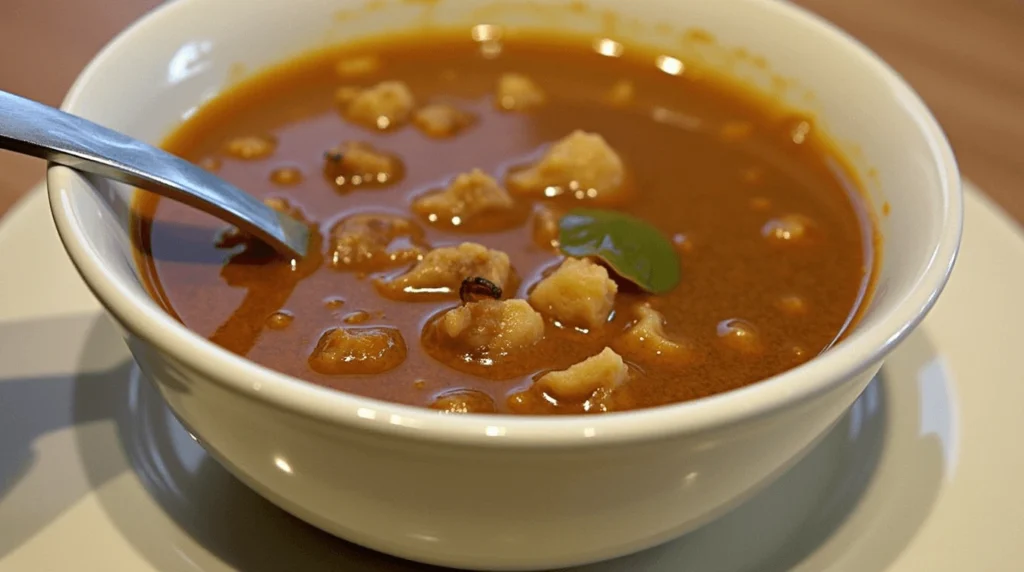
(711, 165)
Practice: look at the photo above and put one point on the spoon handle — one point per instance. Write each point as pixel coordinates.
(38, 130)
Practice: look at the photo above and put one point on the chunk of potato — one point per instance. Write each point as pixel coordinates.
(440, 120)
(355, 164)
(603, 372)
(578, 294)
(581, 165)
(646, 338)
(386, 105)
(516, 92)
(343, 351)
(442, 270)
(495, 326)
(470, 195)
(363, 242)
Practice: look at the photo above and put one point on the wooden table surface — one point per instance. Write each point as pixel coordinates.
(966, 58)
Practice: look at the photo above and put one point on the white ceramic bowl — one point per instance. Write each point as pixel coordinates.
(501, 492)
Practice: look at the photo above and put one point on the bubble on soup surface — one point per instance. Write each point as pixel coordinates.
(342, 351)
(251, 147)
(280, 320)
(760, 204)
(464, 401)
(788, 229)
(286, 176)
(740, 335)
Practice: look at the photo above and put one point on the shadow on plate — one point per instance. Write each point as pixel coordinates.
(852, 503)
(41, 475)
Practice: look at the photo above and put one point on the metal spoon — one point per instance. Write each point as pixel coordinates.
(31, 128)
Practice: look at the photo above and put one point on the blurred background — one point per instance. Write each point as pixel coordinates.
(965, 57)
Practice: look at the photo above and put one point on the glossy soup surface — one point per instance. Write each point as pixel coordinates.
(772, 236)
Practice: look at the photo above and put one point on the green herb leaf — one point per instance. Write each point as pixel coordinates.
(633, 248)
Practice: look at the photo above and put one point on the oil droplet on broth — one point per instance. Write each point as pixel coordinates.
(280, 320)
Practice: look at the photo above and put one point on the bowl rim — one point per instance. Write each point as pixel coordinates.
(864, 348)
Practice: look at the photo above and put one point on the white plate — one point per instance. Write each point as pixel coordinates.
(923, 474)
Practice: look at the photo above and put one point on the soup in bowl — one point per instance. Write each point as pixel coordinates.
(571, 269)
(538, 224)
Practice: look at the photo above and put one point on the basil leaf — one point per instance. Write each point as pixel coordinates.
(633, 248)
